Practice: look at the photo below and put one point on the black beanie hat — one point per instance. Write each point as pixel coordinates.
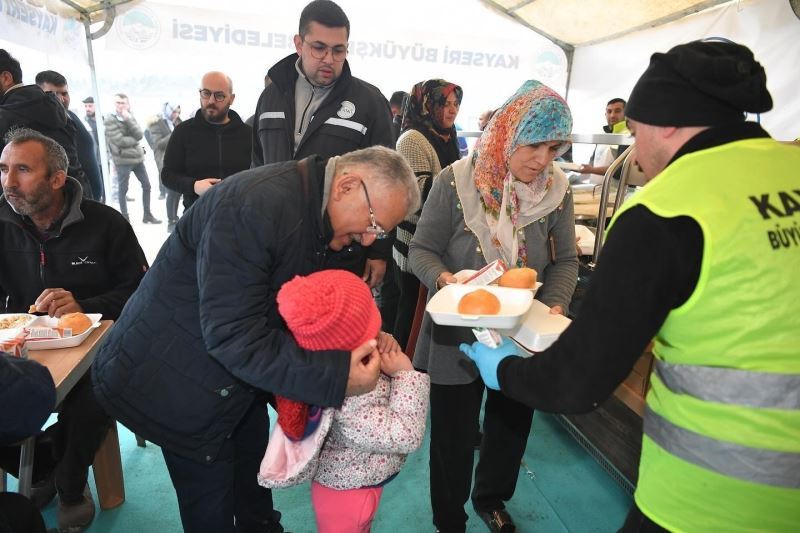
(700, 84)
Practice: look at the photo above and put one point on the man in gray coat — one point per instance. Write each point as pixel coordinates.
(123, 134)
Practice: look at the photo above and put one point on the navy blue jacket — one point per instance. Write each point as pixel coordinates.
(27, 397)
(201, 339)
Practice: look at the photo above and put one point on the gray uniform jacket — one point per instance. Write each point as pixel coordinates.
(443, 243)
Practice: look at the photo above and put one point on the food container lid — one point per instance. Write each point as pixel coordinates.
(538, 328)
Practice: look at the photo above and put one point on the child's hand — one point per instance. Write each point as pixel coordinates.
(387, 343)
(395, 361)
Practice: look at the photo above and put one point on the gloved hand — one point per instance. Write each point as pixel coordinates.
(487, 359)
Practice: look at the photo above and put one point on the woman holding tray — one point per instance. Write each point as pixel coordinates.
(506, 201)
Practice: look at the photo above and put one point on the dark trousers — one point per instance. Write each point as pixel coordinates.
(406, 305)
(173, 200)
(212, 495)
(19, 515)
(455, 410)
(70, 444)
(637, 522)
(123, 176)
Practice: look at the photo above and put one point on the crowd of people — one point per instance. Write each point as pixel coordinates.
(312, 231)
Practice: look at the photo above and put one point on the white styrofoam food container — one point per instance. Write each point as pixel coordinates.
(585, 239)
(22, 320)
(68, 342)
(538, 328)
(514, 303)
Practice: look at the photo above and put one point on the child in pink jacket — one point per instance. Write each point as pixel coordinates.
(369, 437)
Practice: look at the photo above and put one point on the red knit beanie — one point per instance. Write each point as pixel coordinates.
(327, 310)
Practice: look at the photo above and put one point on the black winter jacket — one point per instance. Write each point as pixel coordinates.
(202, 338)
(28, 396)
(95, 256)
(30, 107)
(199, 150)
(355, 115)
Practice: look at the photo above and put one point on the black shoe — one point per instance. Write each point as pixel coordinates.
(150, 219)
(498, 521)
(44, 491)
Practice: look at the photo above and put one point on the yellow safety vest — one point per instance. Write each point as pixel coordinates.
(721, 445)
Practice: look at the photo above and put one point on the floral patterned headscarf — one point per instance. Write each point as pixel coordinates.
(534, 114)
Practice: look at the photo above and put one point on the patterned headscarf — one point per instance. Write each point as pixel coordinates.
(534, 114)
(426, 104)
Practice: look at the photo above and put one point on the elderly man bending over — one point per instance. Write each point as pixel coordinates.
(200, 346)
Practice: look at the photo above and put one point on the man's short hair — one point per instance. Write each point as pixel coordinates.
(617, 101)
(397, 98)
(121, 95)
(11, 65)
(389, 169)
(54, 152)
(323, 12)
(52, 77)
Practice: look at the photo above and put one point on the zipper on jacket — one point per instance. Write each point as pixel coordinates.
(42, 263)
(303, 118)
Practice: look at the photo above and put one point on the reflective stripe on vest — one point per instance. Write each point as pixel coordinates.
(732, 386)
(777, 469)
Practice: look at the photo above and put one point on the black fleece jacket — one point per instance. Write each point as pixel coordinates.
(198, 150)
(94, 254)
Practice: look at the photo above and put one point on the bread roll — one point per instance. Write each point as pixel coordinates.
(519, 278)
(78, 322)
(480, 302)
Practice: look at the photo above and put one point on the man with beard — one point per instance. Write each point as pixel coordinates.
(209, 147)
(63, 254)
(315, 106)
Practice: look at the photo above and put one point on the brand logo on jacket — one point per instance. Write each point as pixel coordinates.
(83, 261)
(347, 110)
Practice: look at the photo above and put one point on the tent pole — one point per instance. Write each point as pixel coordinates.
(101, 131)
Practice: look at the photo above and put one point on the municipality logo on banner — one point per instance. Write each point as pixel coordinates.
(139, 28)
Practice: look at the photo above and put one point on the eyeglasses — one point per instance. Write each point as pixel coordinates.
(219, 96)
(373, 228)
(320, 50)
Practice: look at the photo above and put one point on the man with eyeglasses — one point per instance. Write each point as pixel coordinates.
(315, 106)
(209, 147)
(123, 134)
(200, 346)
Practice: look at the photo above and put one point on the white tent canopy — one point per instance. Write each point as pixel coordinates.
(157, 49)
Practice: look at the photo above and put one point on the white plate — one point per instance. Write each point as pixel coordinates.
(6, 333)
(514, 303)
(538, 329)
(52, 344)
(463, 275)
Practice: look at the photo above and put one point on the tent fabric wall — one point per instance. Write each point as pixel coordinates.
(768, 27)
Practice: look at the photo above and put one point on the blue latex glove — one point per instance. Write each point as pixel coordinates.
(487, 359)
